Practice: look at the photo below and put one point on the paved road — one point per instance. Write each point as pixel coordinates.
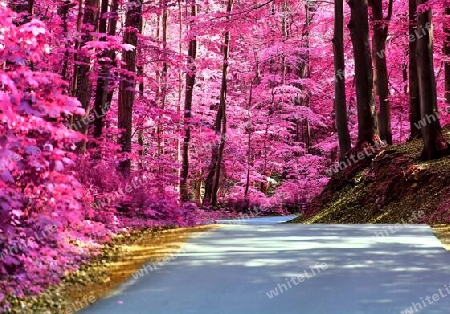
(232, 270)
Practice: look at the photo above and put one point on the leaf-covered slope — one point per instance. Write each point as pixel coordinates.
(392, 187)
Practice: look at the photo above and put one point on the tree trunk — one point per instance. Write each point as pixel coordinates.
(249, 140)
(213, 179)
(286, 34)
(141, 142)
(256, 80)
(162, 86)
(63, 12)
(76, 55)
(380, 33)
(447, 64)
(190, 82)
(180, 92)
(414, 96)
(222, 105)
(359, 29)
(128, 83)
(305, 71)
(83, 84)
(112, 29)
(198, 189)
(435, 145)
(339, 85)
(101, 93)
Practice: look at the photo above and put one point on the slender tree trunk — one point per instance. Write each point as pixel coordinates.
(198, 189)
(76, 57)
(63, 12)
(249, 146)
(249, 130)
(339, 85)
(303, 71)
(414, 96)
(112, 30)
(222, 105)
(380, 33)
(213, 178)
(84, 84)
(286, 35)
(435, 145)
(141, 142)
(190, 82)
(447, 64)
(310, 8)
(128, 84)
(180, 92)
(163, 81)
(359, 30)
(101, 93)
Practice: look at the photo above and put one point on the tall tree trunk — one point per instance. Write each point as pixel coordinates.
(380, 33)
(414, 95)
(141, 142)
(128, 83)
(359, 30)
(286, 34)
(180, 93)
(303, 71)
(76, 57)
(190, 82)
(447, 64)
(213, 179)
(249, 129)
(101, 93)
(435, 145)
(82, 73)
(163, 88)
(222, 105)
(310, 8)
(63, 12)
(112, 29)
(339, 85)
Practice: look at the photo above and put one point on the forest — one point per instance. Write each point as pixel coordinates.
(126, 115)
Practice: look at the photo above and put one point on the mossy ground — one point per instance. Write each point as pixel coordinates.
(387, 189)
(118, 260)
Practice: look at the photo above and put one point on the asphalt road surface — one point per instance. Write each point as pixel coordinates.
(265, 267)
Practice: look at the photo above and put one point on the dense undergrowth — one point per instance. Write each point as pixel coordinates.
(112, 265)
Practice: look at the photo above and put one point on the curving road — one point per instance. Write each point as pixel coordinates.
(263, 267)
